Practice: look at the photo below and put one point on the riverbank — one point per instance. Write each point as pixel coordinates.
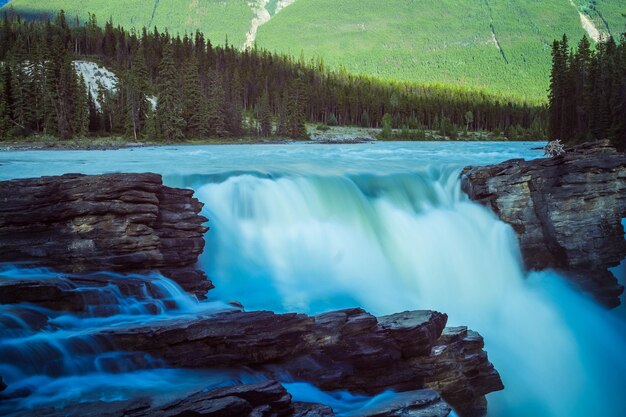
(317, 134)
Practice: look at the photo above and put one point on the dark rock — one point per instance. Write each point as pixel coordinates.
(3, 386)
(263, 399)
(97, 294)
(422, 403)
(267, 399)
(113, 222)
(301, 409)
(567, 212)
(348, 349)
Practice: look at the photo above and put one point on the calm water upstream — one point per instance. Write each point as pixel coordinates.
(311, 228)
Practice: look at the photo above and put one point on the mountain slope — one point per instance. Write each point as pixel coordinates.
(500, 45)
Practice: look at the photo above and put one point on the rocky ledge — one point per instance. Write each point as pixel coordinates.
(253, 400)
(114, 222)
(567, 212)
(347, 349)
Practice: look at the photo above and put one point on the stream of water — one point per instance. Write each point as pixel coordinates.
(311, 228)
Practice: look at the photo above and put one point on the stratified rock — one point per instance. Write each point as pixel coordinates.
(348, 349)
(267, 399)
(422, 403)
(253, 400)
(567, 212)
(113, 222)
(301, 409)
(98, 294)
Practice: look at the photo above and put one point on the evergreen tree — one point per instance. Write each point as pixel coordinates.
(136, 94)
(216, 105)
(265, 115)
(169, 109)
(296, 118)
(233, 106)
(80, 110)
(195, 104)
(5, 119)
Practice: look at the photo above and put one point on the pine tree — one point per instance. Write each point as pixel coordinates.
(136, 94)
(556, 90)
(80, 110)
(296, 102)
(94, 116)
(195, 105)
(265, 115)
(169, 109)
(233, 106)
(5, 120)
(216, 105)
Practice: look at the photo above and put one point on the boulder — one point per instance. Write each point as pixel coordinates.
(113, 222)
(567, 212)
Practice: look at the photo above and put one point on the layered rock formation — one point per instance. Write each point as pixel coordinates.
(253, 400)
(113, 222)
(567, 212)
(348, 349)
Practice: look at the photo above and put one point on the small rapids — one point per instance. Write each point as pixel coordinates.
(53, 357)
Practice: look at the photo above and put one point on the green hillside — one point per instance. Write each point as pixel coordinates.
(218, 19)
(500, 45)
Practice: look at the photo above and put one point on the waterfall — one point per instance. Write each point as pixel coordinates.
(394, 242)
(313, 228)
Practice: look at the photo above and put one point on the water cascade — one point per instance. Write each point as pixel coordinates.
(404, 241)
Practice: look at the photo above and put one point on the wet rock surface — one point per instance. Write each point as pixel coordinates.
(348, 349)
(253, 400)
(113, 222)
(567, 212)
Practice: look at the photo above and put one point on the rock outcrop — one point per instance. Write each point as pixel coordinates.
(113, 222)
(253, 400)
(567, 212)
(348, 349)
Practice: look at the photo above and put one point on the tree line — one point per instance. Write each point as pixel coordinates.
(177, 88)
(587, 99)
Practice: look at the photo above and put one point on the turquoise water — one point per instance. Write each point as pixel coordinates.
(384, 226)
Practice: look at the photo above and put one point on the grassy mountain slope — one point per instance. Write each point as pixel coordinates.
(218, 19)
(447, 41)
(500, 45)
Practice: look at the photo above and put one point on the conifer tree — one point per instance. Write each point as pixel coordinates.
(136, 94)
(80, 108)
(169, 109)
(296, 118)
(265, 115)
(233, 107)
(5, 119)
(195, 105)
(216, 105)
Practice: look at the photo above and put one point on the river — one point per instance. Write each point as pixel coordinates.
(383, 226)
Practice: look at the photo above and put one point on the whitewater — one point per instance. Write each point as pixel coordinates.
(384, 226)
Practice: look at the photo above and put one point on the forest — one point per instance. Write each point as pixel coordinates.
(587, 98)
(178, 88)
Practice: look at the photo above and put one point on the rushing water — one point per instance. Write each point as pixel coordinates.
(383, 226)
